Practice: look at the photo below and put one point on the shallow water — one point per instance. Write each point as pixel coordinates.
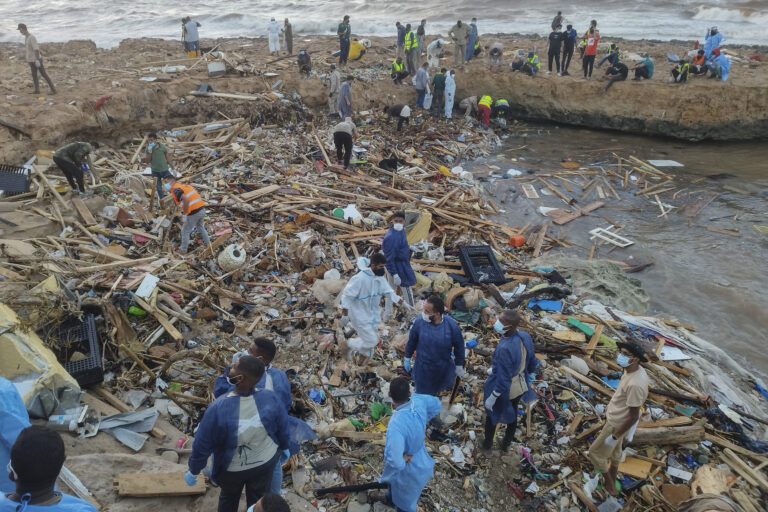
(715, 282)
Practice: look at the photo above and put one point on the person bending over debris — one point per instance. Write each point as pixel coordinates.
(34, 59)
(345, 98)
(397, 72)
(469, 105)
(434, 50)
(439, 345)
(619, 71)
(401, 111)
(246, 431)
(70, 160)
(192, 211)
(407, 465)
(496, 55)
(342, 138)
(513, 362)
(159, 163)
(361, 303)
(719, 66)
(270, 503)
(622, 414)
(501, 111)
(484, 110)
(395, 247)
(37, 457)
(305, 63)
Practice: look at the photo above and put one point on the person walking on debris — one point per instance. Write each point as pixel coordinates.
(421, 32)
(192, 211)
(361, 303)
(434, 50)
(71, 159)
(345, 98)
(247, 432)
(401, 111)
(471, 38)
(400, 39)
(397, 72)
(644, 68)
(305, 63)
(421, 83)
(273, 34)
(37, 457)
(438, 91)
(344, 31)
(513, 364)
(288, 36)
(459, 33)
(333, 92)
(569, 43)
(159, 163)
(395, 247)
(34, 59)
(450, 93)
(619, 71)
(191, 37)
(437, 341)
(343, 134)
(622, 414)
(407, 465)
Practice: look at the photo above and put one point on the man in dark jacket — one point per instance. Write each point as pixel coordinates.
(555, 42)
(619, 71)
(438, 91)
(569, 42)
(401, 111)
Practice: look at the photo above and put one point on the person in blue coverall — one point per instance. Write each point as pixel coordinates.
(712, 41)
(407, 465)
(472, 37)
(719, 66)
(507, 363)
(247, 432)
(36, 460)
(439, 346)
(13, 418)
(395, 247)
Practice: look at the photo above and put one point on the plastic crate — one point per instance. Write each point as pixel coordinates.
(480, 265)
(14, 180)
(81, 336)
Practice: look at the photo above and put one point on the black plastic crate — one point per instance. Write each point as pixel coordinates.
(81, 336)
(480, 265)
(14, 180)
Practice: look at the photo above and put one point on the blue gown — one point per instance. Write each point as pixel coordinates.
(711, 42)
(67, 504)
(13, 419)
(398, 252)
(405, 435)
(506, 363)
(471, 41)
(725, 66)
(439, 349)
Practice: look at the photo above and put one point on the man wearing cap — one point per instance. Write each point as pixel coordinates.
(401, 111)
(34, 59)
(622, 414)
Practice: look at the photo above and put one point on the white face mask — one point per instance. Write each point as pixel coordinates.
(426, 317)
(397, 226)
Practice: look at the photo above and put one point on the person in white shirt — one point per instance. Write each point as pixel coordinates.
(35, 59)
(273, 32)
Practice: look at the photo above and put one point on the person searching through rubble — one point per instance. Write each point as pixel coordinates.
(192, 211)
(513, 364)
(270, 503)
(622, 414)
(72, 159)
(159, 163)
(37, 457)
(436, 339)
(247, 432)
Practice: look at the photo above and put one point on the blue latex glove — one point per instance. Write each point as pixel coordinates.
(190, 479)
(407, 364)
(284, 456)
(531, 377)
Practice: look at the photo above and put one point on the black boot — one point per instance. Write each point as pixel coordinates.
(509, 437)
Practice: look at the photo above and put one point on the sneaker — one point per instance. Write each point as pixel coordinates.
(565, 73)
(559, 74)
(549, 72)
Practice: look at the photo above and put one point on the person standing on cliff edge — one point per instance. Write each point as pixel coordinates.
(590, 51)
(34, 59)
(344, 31)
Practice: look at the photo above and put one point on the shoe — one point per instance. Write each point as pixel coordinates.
(559, 74)
(565, 73)
(549, 72)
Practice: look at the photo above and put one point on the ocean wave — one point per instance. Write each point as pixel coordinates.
(737, 15)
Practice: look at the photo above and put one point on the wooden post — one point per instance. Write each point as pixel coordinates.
(668, 435)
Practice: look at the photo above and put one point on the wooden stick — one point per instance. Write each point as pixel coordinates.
(137, 359)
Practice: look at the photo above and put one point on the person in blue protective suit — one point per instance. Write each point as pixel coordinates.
(508, 362)
(407, 466)
(719, 66)
(472, 37)
(36, 460)
(395, 247)
(247, 432)
(439, 346)
(361, 302)
(13, 418)
(712, 41)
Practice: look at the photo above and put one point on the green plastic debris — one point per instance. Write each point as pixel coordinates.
(136, 311)
(357, 423)
(379, 410)
(604, 340)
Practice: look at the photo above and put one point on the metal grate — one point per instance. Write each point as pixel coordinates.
(77, 336)
(480, 265)
(14, 180)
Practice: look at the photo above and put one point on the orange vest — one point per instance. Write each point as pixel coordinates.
(188, 191)
(698, 60)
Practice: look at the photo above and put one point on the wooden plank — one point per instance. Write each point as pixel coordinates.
(723, 443)
(539, 240)
(255, 194)
(635, 467)
(593, 341)
(744, 500)
(83, 210)
(729, 232)
(695, 208)
(575, 489)
(530, 191)
(114, 265)
(575, 422)
(591, 430)
(745, 470)
(669, 422)
(572, 336)
(152, 485)
(161, 319)
(589, 382)
(358, 436)
(106, 403)
(565, 219)
(335, 379)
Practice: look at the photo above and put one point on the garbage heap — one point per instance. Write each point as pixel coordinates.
(96, 282)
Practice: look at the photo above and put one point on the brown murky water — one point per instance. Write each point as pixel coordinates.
(713, 281)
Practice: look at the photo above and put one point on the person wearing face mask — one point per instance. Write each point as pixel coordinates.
(361, 302)
(192, 211)
(621, 415)
(395, 247)
(247, 432)
(513, 360)
(70, 159)
(437, 341)
(13, 419)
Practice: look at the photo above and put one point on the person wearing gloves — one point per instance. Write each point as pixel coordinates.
(37, 457)
(395, 247)
(622, 414)
(13, 419)
(434, 50)
(719, 66)
(34, 59)
(273, 37)
(361, 302)
(496, 55)
(712, 41)
(192, 211)
(513, 362)
(407, 465)
(439, 346)
(71, 158)
(450, 93)
(246, 431)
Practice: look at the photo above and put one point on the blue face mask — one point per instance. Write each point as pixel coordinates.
(622, 360)
(167, 186)
(498, 327)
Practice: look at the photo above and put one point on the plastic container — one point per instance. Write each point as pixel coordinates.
(81, 336)
(517, 240)
(231, 258)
